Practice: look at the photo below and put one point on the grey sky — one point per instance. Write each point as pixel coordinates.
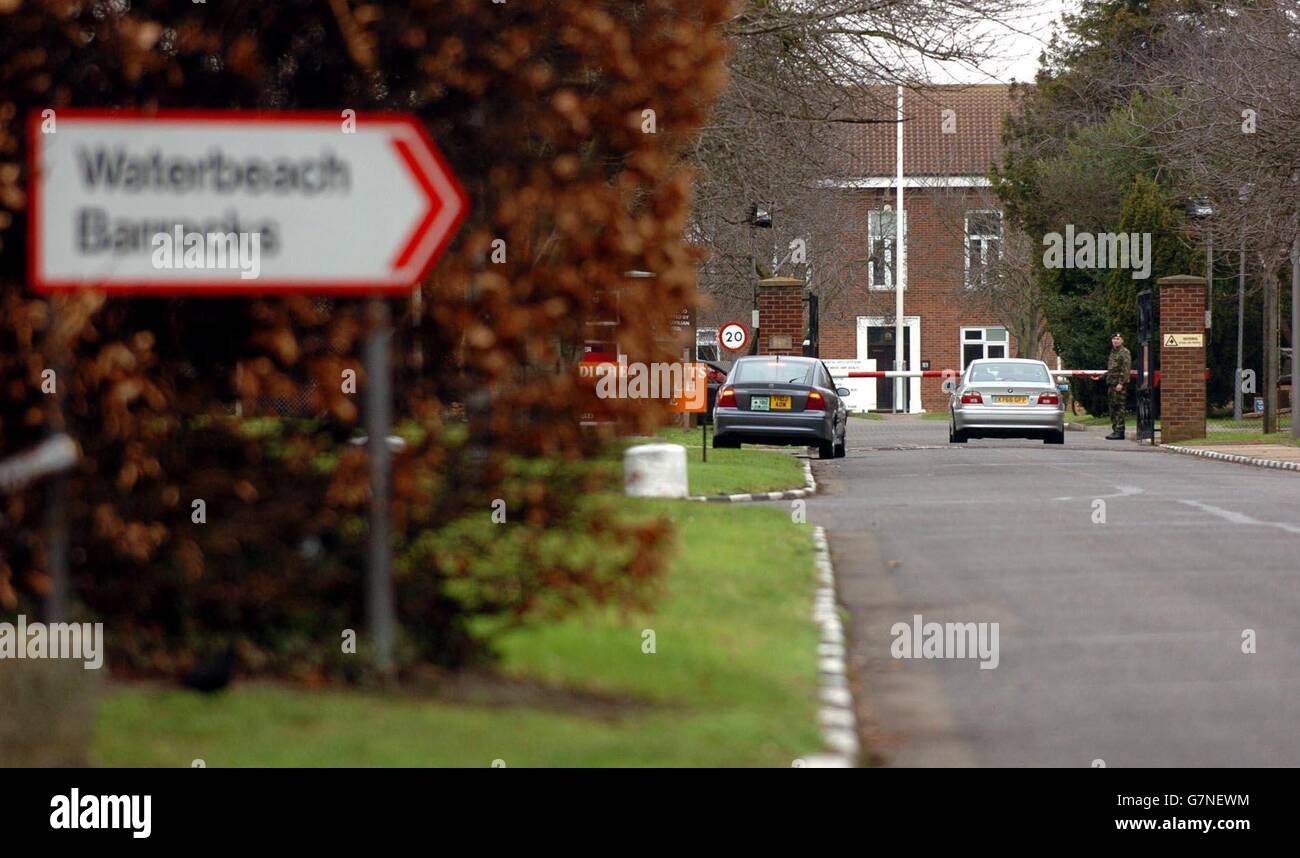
(1018, 47)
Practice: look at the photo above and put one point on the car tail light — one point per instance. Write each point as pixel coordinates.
(726, 398)
(972, 397)
(717, 376)
(1049, 399)
(816, 402)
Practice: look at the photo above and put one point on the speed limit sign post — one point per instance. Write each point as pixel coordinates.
(733, 336)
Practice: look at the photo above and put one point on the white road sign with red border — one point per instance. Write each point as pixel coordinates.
(733, 336)
(361, 208)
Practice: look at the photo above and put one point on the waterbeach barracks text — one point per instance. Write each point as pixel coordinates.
(114, 170)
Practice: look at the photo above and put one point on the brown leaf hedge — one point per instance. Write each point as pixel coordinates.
(540, 108)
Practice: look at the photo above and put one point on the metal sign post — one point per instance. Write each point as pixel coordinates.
(271, 204)
(51, 460)
(380, 611)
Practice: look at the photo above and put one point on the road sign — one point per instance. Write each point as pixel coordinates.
(694, 396)
(1182, 341)
(733, 336)
(222, 202)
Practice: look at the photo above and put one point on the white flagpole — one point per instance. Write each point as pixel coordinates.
(900, 265)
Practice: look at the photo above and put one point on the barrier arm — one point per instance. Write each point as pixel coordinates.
(1095, 374)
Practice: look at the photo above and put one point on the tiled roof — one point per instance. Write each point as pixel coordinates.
(974, 144)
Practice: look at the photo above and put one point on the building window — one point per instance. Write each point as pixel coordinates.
(977, 343)
(983, 245)
(881, 236)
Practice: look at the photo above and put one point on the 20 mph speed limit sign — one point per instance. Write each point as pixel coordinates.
(733, 336)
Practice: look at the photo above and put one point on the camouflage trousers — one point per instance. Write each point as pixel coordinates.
(1115, 399)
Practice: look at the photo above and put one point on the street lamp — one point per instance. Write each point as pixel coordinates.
(1200, 208)
(759, 217)
(1243, 196)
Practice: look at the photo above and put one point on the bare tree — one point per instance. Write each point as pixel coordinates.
(1228, 83)
(802, 73)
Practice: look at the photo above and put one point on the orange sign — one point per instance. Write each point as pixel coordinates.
(694, 398)
(684, 385)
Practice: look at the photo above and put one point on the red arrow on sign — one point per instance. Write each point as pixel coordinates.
(435, 204)
(326, 202)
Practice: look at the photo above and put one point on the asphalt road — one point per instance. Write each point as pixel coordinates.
(1118, 641)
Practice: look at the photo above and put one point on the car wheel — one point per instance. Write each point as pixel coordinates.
(826, 450)
(1055, 438)
(840, 447)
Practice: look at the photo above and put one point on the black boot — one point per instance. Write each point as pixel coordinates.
(1117, 435)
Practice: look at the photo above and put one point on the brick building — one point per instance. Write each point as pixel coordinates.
(953, 232)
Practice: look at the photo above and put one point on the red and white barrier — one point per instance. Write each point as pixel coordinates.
(1095, 374)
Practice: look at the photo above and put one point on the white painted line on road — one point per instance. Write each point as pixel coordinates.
(1240, 517)
(1124, 492)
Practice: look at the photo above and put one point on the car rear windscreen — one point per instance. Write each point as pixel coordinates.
(774, 372)
(1029, 373)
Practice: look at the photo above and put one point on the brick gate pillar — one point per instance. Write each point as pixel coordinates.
(1182, 357)
(780, 316)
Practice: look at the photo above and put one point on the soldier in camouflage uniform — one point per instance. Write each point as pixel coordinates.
(1117, 374)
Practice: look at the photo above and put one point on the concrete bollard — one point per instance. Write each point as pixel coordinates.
(655, 471)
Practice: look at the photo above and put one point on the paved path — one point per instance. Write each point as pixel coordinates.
(1119, 641)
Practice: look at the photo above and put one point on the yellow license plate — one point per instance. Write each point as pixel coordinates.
(1011, 400)
(781, 403)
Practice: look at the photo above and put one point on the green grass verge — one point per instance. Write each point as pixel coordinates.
(732, 471)
(732, 681)
(868, 415)
(935, 415)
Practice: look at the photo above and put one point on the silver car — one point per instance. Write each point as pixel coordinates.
(771, 399)
(1006, 398)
